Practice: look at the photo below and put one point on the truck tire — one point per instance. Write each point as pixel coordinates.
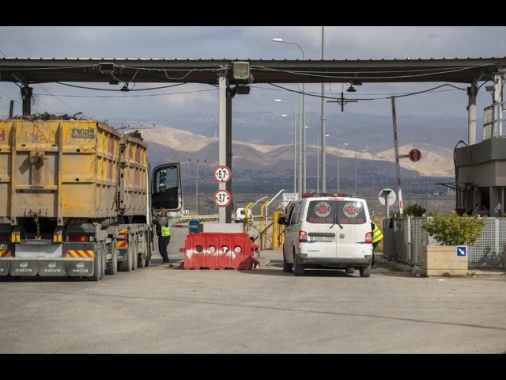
(103, 259)
(141, 263)
(131, 260)
(97, 264)
(135, 252)
(150, 244)
(111, 267)
(126, 264)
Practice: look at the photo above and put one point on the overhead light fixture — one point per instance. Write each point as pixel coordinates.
(351, 89)
(125, 88)
(490, 88)
(241, 70)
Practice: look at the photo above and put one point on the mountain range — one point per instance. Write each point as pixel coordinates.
(263, 147)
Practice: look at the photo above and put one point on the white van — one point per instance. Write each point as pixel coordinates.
(327, 232)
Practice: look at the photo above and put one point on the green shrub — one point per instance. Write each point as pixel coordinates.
(414, 210)
(454, 229)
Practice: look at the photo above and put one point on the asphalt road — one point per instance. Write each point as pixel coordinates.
(159, 309)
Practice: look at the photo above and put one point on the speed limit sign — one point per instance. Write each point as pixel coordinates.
(222, 174)
(222, 198)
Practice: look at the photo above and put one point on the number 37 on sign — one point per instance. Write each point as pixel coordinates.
(222, 198)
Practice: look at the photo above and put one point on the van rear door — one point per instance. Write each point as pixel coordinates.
(337, 227)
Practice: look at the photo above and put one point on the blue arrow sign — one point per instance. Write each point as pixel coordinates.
(461, 250)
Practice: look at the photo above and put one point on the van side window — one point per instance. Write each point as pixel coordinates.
(295, 215)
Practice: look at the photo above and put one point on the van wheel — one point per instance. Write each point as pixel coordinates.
(299, 269)
(365, 271)
(287, 267)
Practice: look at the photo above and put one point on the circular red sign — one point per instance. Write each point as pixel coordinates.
(222, 173)
(222, 198)
(415, 155)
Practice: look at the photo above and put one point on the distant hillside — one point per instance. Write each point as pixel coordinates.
(263, 149)
(360, 131)
(259, 167)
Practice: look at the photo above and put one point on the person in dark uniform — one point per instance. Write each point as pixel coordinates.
(161, 220)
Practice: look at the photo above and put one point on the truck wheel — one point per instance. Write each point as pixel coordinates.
(135, 252)
(97, 265)
(104, 259)
(126, 264)
(142, 252)
(130, 261)
(142, 261)
(111, 266)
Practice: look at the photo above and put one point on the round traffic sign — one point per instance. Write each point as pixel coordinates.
(222, 173)
(415, 155)
(222, 198)
(387, 195)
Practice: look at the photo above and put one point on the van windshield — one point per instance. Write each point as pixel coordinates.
(336, 212)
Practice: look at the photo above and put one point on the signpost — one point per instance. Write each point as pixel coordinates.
(387, 197)
(287, 198)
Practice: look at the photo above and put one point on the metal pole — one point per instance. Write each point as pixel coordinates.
(338, 151)
(323, 160)
(373, 196)
(298, 139)
(294, 145)
(197, 189)
(338, 154)
(294, 152)
(344, 144)
(302, 131)
(317, 159)
(355, 171)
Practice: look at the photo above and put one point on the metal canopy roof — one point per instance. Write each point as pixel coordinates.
(153, 70)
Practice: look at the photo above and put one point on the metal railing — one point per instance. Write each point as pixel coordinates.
(404, 239)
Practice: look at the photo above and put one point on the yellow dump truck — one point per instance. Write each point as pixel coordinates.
(77, 199)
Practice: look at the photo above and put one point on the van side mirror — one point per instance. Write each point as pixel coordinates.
(282, 220)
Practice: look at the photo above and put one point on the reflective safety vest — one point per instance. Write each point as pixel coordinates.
(377, 235)
(165, 230)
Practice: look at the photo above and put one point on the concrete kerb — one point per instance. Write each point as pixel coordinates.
(417, 270)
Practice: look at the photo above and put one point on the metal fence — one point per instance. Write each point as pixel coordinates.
(404, 239)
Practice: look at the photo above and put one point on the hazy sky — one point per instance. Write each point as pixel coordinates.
(246, 42)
